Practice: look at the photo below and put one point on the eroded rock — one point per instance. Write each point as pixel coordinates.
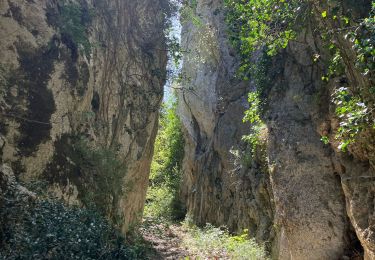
(93, 79)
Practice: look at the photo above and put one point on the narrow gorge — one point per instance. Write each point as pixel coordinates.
(254, 125)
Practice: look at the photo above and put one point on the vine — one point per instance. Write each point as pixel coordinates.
(364, 41)
(261, 24)
(353, 114)
(253, 116)
(268, 26)
(352, 108)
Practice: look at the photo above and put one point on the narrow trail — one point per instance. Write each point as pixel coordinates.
(166, 240)
(178, 242)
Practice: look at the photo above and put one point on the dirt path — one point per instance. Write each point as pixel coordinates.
(166, 240)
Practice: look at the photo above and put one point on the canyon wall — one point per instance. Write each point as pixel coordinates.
(306, 199)
(221, 183)
(81, 83)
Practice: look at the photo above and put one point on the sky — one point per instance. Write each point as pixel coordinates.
(174, 32)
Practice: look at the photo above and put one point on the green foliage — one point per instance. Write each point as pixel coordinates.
(264, 26)
(325, 139)
(103, 172)
(253, 116)
(174, 50)
(73, 22)
(212, 241)
(50, 230)
(336, 66)
(165, 178)
(169, 149)
(159, 203)
(259, 73)
(359, 33)
(364, 42)
(257, 23)
(353, 115)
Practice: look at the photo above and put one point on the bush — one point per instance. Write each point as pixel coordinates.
(50, 230)
(217, 242)
(158, 203)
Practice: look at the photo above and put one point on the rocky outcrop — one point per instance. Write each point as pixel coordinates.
(317, 187)
(81, 85)
(310, 208)
(311, 201)
(222, 185)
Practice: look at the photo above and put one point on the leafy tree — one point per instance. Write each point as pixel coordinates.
(163, 196)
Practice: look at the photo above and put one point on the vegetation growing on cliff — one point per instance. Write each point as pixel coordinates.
(255, 24)
(260, 25)
(104, 174)
(188, 13)
(353, 114)
(253, 116)
(73, 21)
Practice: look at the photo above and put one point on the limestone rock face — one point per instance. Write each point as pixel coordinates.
(323, 196)
(312, 201)
(221, 185)
(81, 83)
(310, 208)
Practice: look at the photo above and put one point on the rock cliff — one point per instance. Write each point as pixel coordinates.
(81, 85)
(222, 185)
(312, 200)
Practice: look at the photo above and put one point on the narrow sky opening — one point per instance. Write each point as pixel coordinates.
(173, 68)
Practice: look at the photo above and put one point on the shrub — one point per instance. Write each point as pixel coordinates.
(158, 202)
(254, 24)
(364, 42)
(50, 230)
(218, 243)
